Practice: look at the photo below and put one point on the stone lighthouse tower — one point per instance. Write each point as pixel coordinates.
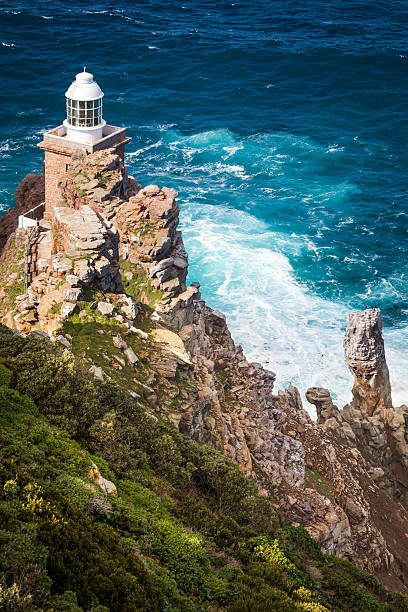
(83, 131)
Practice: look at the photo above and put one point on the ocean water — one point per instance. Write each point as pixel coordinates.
(282, 125)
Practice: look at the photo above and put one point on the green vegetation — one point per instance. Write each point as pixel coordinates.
(56, 308)
(318, 481)
(93, 334)
(56, 234)
(186, 531)
(139, 286)
(12, 275)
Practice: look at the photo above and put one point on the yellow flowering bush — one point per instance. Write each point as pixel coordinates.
(273, 554)
(304, 597)
(41, 511)
(311, 606)
(11, 599)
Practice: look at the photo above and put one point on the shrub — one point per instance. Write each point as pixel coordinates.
(5, 375)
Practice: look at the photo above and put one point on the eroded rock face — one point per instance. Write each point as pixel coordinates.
(99, 180)
(149, 237)
(91, 240)
(334, 452)
(365, 356)
(28, 194)
(30, 191)
(370, 437)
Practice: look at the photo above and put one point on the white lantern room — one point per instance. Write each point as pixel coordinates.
(84, 120)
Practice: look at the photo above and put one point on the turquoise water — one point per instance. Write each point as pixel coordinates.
(283, 127)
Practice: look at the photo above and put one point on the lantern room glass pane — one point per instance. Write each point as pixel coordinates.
(84, 113)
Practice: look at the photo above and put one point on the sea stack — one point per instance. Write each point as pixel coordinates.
(365, 356)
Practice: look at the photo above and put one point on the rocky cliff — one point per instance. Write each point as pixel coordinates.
(113, 254)
(28, 194)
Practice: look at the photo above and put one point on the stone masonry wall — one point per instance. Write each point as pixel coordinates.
(55, 171)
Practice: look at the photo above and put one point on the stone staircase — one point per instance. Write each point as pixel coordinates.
(38, 251)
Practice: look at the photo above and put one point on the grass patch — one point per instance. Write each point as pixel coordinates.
(56, 308)
(319, 481)
(12, 275)
(139, 286)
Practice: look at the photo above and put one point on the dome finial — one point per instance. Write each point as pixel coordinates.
(84, 68)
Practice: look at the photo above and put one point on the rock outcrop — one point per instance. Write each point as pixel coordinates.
(149, 237)
(372, 436)
(28, 194)
(371, 413)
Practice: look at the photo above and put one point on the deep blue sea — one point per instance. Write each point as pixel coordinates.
(282, 125)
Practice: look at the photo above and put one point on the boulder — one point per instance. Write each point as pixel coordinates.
(97, 372)
(84, 271)
(67, 309)
(325, 408)
(106, 309)
(129, 306)
(64, 341)
(139, 332)
(36, 333)
(131, 356)
(99, 505)
(106, 485)
(119, 343)
(161, 265)
(72, 280)
(73, 294)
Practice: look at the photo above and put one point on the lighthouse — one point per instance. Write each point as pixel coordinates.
(83, 131)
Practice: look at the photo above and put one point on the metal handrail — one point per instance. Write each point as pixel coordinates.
(32, 217)
(33, 214)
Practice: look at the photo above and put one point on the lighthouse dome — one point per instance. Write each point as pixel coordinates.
(84, 88)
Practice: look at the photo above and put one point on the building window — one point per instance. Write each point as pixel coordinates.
(84, 113)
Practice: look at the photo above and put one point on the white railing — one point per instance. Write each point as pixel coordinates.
(31, 217)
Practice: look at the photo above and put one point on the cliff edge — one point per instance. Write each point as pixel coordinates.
(107, 280)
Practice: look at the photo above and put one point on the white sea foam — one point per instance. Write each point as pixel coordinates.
(231, 150)
(334, 148)
(4, 44)
(143, 150)
(396, 341)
